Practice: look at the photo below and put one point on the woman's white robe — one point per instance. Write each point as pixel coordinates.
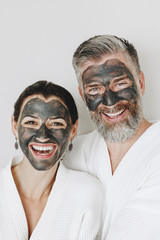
(72, 211)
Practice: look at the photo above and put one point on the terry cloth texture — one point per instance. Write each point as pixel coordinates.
(72, 211)
(131, 207)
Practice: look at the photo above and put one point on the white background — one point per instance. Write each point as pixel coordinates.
(39, 37)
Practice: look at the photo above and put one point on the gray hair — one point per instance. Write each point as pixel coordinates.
(97, 47)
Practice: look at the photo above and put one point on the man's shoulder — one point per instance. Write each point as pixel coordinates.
(87, 138)
(84, 178)
(84, 142)
(86, 184)
(79, 156)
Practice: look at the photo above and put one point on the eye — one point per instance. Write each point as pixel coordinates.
(120, 85)
(94, 90)
(57, 124)
(29, 122)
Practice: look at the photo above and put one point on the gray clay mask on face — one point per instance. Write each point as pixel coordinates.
(44, 129)
(108, 84)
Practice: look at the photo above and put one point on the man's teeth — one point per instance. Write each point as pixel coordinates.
(49, 148)
(114, 114)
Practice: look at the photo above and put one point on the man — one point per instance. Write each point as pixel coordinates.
(124, 151)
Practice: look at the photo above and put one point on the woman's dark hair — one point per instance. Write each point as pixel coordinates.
(47, 89)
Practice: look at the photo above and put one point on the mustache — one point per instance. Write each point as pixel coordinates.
(117, 108)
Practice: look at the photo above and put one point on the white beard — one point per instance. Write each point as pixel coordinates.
(123, 130)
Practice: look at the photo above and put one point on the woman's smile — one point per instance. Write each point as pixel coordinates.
(43, 151)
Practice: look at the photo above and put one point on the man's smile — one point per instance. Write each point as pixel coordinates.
(115, 116)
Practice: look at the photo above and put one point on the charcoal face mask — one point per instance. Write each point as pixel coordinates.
(105, 77)
(39, 109)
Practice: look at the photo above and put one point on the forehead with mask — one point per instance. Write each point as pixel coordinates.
(95, 48)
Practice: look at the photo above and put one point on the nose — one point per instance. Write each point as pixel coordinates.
(43, 134)
(110, 98)
(42, 140)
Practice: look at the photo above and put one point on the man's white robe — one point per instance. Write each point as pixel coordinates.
(131, 209)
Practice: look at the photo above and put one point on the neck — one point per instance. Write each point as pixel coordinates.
(31, 183)
(118, 150)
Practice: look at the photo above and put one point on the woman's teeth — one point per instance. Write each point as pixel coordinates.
(42, 150)
(49, 148)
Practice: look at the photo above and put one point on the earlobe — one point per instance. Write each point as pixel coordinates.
(74, 131)
(81, 93)
(142, 82)
(14, 126)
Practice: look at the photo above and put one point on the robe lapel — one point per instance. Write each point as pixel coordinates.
(15, 205)
(130, 173)
(99, 164)
(52, 205)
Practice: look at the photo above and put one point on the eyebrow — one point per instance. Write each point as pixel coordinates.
(92, 84)
(116, 79)
(91, 79)
(54, 118)
(31, 116)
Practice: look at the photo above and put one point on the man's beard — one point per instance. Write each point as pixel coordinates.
(123, 130)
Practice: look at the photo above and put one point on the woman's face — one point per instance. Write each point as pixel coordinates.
(44, 130)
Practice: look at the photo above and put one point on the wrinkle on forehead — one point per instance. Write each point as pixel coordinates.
(112, 67)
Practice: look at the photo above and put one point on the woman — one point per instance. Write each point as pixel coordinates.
(40, 199)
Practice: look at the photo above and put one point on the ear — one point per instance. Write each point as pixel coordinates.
(73, 131)
(81, 93)
(14, 127)
(142, 82)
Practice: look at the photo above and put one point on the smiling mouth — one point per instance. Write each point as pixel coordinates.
(43, 150)
(115, 116)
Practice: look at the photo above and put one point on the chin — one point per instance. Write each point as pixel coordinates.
(42, 165)
(117, 132)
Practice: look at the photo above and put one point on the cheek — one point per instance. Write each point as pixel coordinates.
(128, 94)
(61, 135)
(93, 101)
(25, 133)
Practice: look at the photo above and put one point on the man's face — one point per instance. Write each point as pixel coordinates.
(44, 129)
(111, 94)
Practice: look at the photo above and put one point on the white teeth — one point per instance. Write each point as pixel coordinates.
(49, 148)
(114, 114)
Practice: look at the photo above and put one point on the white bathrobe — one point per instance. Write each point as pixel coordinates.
(131, 209)
(72, 211)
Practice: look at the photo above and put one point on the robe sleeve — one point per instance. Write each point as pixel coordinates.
(139, 219)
